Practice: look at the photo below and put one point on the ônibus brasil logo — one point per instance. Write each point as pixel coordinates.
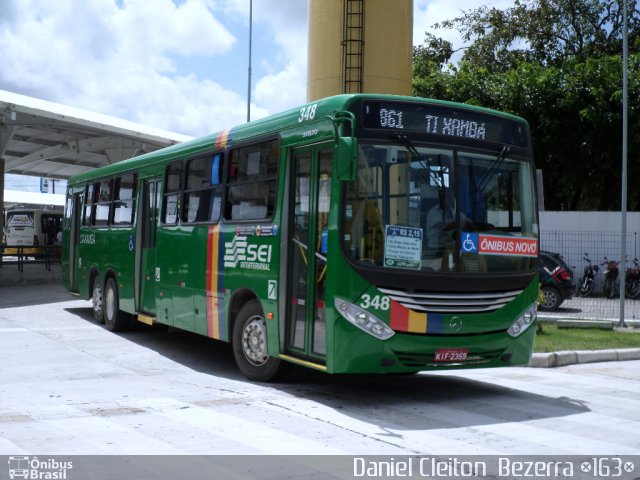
(36, 469)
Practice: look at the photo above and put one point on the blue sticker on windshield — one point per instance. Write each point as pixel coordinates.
(469, 242)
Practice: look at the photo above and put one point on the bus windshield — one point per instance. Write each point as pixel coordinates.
(440, 209)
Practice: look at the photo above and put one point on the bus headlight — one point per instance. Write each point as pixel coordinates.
(523, 322)
(364, 320)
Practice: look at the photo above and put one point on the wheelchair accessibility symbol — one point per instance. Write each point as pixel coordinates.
(469, 243)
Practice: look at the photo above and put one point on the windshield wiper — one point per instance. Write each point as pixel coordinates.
(424, 162)
(484, 179)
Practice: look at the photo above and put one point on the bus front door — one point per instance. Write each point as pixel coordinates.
(310, 191)
(146, 269)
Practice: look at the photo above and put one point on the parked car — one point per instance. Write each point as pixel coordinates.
(556, 281)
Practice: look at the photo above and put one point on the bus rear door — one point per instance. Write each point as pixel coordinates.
(309, 192)
(146, 269)
(75, 217)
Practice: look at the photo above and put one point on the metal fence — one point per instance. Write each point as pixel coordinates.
(572, 246)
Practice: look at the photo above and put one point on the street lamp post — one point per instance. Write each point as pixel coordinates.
(625, 93)
(249, 72)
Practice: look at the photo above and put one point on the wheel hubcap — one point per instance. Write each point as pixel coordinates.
(254, 341)
(110, 304)
(549, 299)
(97, 299)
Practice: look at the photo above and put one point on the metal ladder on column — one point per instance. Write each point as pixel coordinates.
(353, 46)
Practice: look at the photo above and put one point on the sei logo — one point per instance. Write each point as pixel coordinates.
(259, 253)
(239, 253)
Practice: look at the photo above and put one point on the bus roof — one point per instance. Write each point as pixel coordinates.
(326, 108)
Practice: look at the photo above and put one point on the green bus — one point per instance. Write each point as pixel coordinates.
(357, 234)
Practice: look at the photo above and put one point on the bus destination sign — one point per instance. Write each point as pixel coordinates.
(444, 121)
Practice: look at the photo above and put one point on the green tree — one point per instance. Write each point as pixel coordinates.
(556, 63)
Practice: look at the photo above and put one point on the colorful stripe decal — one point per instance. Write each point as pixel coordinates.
(223, 138)
(406, 320)
(216, 327)
(436, 323)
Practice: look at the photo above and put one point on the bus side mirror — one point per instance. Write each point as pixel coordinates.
(347, 158)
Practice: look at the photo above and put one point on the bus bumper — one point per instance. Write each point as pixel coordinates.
(412, 353)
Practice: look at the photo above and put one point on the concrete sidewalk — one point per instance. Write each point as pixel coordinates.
(32, 274)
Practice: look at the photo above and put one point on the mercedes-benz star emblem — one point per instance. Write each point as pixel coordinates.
(455, 323)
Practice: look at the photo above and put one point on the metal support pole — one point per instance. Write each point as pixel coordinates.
(249, 72)
(623, 231)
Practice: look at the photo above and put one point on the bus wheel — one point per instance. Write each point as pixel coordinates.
(250, 345)
(97, 300)
(114, 319)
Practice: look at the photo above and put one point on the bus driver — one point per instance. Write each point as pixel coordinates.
(441, 220)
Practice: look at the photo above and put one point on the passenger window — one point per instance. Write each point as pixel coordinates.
(103, 204)
(124, 204)
(89, 207)
(202, 193)
(251, 189)
(173, 186)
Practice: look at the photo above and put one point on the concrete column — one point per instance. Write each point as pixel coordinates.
(1, 201)
(387, 35)
(6, 133)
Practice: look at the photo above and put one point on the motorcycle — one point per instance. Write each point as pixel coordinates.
(610, 278)
(632, 280)
(587, 282)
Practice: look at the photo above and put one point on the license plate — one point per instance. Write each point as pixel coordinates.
(451, 354)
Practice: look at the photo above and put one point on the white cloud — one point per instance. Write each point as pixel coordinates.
(144, 61)
(119, 61)
(428, 12)
(285, 84)
(282, 90)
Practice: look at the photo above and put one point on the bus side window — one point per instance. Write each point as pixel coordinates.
(201, 202)
(89, 204)
(173, 186)
(216, 182)
(124, 200)
(103, 206)
(251, 186)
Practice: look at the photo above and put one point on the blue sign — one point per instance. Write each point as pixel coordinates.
(469, 243)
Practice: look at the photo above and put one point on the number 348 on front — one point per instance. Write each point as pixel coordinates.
(379, 302)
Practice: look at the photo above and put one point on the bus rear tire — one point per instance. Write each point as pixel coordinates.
(250, 348)
(114, 319)
(97, 300)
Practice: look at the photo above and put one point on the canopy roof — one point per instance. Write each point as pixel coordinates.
(46, 139)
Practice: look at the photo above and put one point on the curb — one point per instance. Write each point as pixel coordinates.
(606, 324)
(572, 357)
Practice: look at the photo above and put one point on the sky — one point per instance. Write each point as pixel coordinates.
(177, 65)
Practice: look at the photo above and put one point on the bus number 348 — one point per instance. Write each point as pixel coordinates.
(307, 113)
(379, 302)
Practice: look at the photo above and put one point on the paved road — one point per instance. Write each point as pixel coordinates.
(68, 386)
(596, 308)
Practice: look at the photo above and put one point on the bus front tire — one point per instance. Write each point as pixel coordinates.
(97, 300)
(114, 319)
(250, 348)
